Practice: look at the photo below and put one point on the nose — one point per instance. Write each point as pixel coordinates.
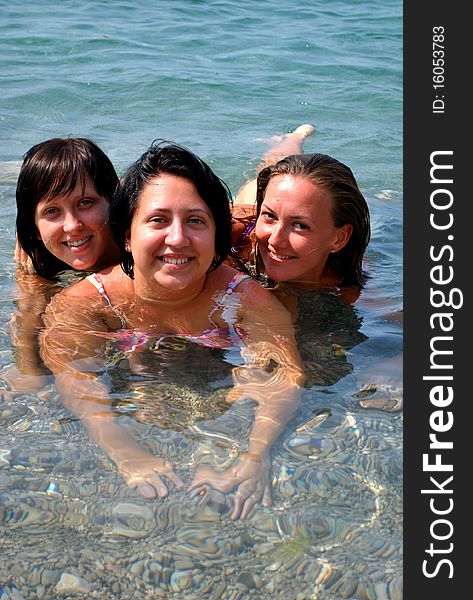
(176, 235)
(277, 236)
(71, 222)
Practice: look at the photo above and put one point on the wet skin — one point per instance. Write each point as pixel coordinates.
(172, 238)
(296, 231)
(73, 228)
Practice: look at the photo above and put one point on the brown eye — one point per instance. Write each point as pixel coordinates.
(50, 212)
(86, 202)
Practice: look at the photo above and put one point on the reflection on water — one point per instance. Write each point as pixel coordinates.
(71, 526)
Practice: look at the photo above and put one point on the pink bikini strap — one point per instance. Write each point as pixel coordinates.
(232, 284)
(98, 285)
(236, 280)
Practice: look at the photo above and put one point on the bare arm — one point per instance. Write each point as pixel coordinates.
(72, 347)
(22, 258)
(28, 374)
(273, 377)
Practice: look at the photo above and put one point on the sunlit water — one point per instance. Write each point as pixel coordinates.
(221, 78)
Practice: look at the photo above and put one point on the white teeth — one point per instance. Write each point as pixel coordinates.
(174, 261)
(279, 256)
(75, 243)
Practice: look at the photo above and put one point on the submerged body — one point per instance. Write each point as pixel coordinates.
(174, 228)
(63, 194)
(303, 228)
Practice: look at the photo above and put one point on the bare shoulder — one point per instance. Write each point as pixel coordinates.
(219, 279)
(76, 307)
(262, 314)
(72, 301)
(111, 279)
(81, 289)
(258, 304)
(81, 303)
(251, 288)
(247, 287)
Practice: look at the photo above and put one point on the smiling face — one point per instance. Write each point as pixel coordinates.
(72, 227)
(172, 239)
(295, 230)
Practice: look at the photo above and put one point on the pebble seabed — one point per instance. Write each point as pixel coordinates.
(70, 527)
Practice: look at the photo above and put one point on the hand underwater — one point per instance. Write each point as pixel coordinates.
(144, 473)
(250, 475)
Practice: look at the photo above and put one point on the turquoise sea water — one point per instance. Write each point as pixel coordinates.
(221, 78)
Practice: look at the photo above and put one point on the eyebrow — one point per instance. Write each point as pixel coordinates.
(167, 211)
(264, 205)
(187, 210)
(90, 193)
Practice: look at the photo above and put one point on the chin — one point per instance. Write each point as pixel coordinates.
(174, 285)
(81, 266)
(82, 263)
(277, 276)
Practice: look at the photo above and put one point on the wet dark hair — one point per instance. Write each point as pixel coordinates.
(349, 206)
(51, 168)
(167, 157)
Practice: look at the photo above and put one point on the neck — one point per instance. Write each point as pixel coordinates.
(328, 279)
(165, 297)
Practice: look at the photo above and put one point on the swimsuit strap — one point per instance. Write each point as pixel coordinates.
(135, 339)
(236, 280)
(232, 284)
(98, 285)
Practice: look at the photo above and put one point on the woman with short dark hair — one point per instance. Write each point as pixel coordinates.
(63, 194)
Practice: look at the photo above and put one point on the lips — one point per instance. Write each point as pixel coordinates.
(77, 243)
(279, 257)
(172, 260)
